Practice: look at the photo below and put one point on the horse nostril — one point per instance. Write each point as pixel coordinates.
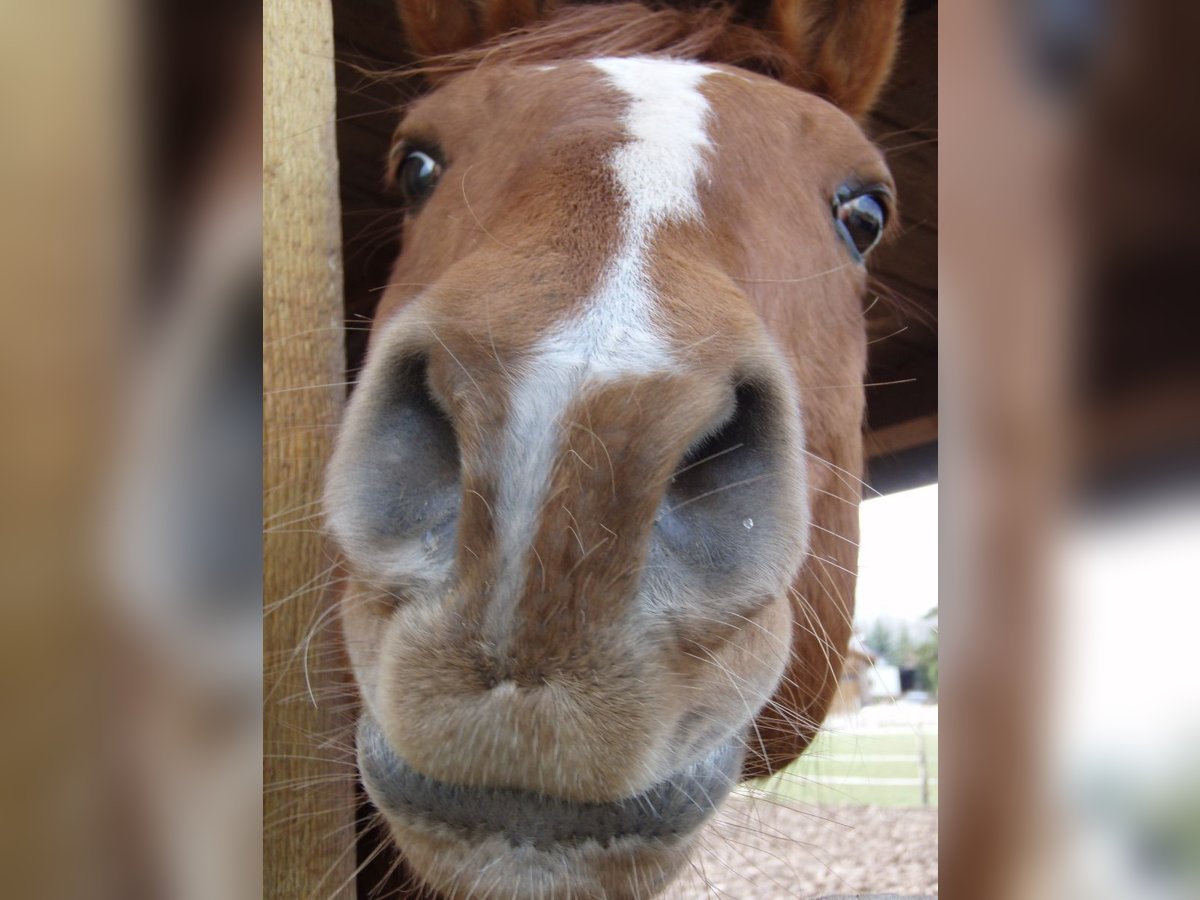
(419, 418)
(402, 469)
(732, 456)
(732, 487)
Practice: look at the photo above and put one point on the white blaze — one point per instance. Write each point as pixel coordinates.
(615, 335)
(666, 119)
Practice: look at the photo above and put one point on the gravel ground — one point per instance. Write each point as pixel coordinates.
(762, 850)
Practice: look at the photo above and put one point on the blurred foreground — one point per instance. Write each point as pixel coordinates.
(1070, 430)
(130, 479)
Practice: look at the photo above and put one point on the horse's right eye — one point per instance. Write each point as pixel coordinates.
(419, 174)
(861, 215)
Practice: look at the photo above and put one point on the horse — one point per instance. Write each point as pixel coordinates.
(595, 492)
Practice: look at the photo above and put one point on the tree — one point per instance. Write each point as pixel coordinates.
(879, 638)
(895, 643)
(926, 654)
(891, 640)
(926, 659)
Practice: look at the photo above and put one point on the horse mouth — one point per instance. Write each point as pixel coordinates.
(670, 810)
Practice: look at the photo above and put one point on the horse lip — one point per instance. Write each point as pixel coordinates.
(671, 809)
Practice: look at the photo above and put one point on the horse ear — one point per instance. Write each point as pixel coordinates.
(440, 27)
(840, 49)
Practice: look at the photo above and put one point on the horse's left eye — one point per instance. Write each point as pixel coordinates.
(860, 216)
(418, 176)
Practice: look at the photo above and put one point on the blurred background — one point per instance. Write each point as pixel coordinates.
(1068, 436)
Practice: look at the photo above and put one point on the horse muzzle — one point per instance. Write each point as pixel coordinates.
(469, 841)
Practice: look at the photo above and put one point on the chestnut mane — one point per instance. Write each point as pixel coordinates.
(712, 34)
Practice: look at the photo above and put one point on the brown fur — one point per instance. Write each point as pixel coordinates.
(515, 237)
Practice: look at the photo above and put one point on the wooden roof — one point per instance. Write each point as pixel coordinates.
(902, 392)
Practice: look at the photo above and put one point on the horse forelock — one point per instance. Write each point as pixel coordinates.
(710, 34)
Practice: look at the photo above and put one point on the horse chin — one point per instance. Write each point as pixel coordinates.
(469, 842)
(461, 868)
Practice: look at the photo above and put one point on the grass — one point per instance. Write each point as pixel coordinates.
(842, 768)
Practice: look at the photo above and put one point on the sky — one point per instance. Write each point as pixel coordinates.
(898, 556)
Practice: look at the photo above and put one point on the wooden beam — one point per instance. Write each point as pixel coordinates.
(308, 802)
(901, 436)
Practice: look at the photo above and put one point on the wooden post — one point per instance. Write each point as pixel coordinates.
(308, 803)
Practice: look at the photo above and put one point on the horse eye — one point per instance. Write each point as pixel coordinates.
(419, 173)
(860, 216)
